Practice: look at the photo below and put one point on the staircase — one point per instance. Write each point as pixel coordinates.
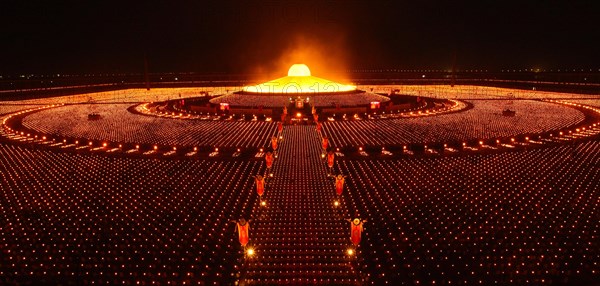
(299, 237)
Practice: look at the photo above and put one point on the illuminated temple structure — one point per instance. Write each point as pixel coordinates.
(299, 80)
(299, 84)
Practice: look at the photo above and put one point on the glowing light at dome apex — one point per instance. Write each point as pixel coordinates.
(299, 80)
(299, 70)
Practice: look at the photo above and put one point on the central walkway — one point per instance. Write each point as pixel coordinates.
(299, 237)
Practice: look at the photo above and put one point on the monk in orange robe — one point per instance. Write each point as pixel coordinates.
(260, 184)
(274, 143)
(243, 227)
(356, 229)
(330, 159)
(339, 184)
(269, 159)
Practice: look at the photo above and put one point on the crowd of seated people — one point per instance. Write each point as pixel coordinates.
(10, 108)
(70, 219)
(507, 218)
(483, 121)
(473, 92)
(525, 217)
(439, 91)
(589, 102)
(511, 218)
(120, 125)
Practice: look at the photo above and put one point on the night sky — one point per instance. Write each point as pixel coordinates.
(235, 36)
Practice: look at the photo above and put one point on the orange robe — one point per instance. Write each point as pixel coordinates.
(330, 159)
(269, 159)
(260, 186)
(355, 232)
(274, 143)
(339, 186)
(243, 233)
(325, 143)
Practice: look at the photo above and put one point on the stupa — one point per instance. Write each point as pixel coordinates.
(299, 85)
(299, 80)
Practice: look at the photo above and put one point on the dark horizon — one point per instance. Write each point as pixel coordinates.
(248, 36)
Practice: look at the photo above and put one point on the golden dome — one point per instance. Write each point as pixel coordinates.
(299, 80)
